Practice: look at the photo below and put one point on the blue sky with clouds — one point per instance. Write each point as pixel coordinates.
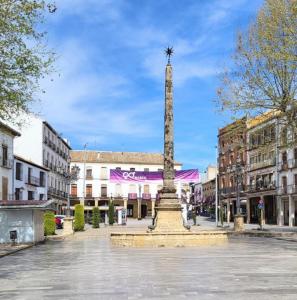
(108, 90)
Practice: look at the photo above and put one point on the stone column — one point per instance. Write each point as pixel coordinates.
(139, 208)
(280, 212)
(153, 208)
(228, 212)
(81, 201)
(96, 202)
(248, 211)
(263, 211)
(125, 203)
(291, 211)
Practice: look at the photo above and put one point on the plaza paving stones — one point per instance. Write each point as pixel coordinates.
(86, 266)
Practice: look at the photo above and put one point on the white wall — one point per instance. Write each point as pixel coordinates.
(23, 183)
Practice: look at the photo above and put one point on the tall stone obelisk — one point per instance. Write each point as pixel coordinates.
(169, 216)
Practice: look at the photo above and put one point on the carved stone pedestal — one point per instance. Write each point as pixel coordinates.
(68, 226)
(238, 223)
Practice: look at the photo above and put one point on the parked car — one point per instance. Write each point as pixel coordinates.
(59, 219)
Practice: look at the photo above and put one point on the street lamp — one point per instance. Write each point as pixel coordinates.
(70, 177)
(238, 174)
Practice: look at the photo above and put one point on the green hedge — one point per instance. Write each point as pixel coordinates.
(96, 217)
(79, 218)
(49, 223)
(111, 213)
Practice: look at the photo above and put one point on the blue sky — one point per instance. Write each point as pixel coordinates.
(108, 90)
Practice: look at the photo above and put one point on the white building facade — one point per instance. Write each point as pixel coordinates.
(41, 144)
(7, 135)
(94, 187)
(30, 180)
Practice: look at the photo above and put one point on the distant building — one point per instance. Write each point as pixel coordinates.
(41, 144)
(95, 187)
(7, 135)
(209, 196)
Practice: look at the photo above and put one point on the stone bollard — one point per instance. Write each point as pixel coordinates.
(68, 226)
(238, 223)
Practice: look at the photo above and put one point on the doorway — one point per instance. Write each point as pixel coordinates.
(130, 210)
(143, 210)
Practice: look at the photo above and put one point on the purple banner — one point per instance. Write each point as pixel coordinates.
(120, 176)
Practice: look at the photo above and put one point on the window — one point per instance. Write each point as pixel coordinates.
(118, 168)
(284, 157)
(295, 180)
(89, 173)
(19, 171)
(146, 169)
(284, 136)
(18, 194)
(284, 184)
(41, 197)
(4, 155)
(132, 169)
(103, 190)
(295, 153)
(74, 190)
(88, 190)
(160, 170)
(104, 174)
(42, 179)
(29, 174)
(30, 195)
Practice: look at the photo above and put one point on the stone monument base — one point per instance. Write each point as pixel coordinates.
(68, 226)
(168, 239)
(238, 223)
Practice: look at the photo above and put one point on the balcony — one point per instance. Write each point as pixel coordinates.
(261, 187)
(262, 164)
(45, 140)
(89, 177)
(132, 196)
(32, 180)
(89, 195)
(284, 166)
(45, 162)
(146, 196)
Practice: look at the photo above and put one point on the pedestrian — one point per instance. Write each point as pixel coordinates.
(194, 215)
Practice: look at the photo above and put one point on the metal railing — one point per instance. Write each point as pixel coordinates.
(261, 187)
(32, 180)
(262, 164)
(6, 163)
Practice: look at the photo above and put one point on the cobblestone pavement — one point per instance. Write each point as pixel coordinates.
(86, 266)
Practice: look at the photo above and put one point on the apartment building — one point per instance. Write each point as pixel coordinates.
(130, 179)
(262, 167)
(41, 144)
(7, 135)
(232, 167)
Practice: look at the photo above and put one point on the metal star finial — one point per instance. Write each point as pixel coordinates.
(169, 52)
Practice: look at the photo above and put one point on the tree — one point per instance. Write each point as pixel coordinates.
(24, 58)
(49, 223)
(111, 213)
(79, 218)
(96, 217)
(264, 75)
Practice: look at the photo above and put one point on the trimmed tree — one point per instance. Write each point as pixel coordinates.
(49, 223)
(96, 217)
(111, 213)
(79, 218)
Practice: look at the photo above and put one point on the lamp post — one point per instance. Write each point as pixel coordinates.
(70, 177)
(238, 219)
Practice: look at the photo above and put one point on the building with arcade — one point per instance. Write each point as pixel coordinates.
(129, 179)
